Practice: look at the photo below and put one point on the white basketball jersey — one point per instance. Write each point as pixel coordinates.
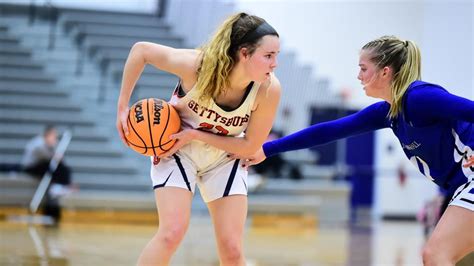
(213, 118)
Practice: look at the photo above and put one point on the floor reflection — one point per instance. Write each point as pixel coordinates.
(384, 243)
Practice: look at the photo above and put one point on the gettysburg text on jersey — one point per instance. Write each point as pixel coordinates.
(235, 121)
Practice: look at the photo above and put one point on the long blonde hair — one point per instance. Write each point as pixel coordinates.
(404, 57)
(220, 54)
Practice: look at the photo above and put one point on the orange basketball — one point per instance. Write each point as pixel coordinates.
(150, 123)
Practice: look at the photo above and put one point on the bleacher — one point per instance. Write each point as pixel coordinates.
(36, 89)
(74, 82)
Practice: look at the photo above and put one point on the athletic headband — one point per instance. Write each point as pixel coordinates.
(262, 30)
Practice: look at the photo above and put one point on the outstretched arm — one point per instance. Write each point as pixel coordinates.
(371, 118)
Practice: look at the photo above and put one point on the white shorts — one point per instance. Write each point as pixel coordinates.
(227, 178)
(464, 196)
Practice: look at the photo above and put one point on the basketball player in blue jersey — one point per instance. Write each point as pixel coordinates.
(227, 98)
(434, 127)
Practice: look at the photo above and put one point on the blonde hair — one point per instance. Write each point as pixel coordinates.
(220, 54)
(404, 58)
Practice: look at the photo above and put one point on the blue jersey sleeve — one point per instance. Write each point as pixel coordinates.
(368, 119)
(430, 104)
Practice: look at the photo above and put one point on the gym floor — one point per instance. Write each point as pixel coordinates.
(285, 243)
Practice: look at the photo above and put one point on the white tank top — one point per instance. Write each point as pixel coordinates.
(215, 119)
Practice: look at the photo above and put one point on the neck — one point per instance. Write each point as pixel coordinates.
(388, 97)
(386, 94)
(238, 79)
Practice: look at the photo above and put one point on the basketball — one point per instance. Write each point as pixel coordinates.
(150, 123)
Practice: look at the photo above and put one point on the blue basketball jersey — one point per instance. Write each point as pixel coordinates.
(435, 129)
(438, 142)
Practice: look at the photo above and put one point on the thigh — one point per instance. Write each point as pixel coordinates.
(451, 235)
(174, 207)
(62, 175)
(228, 216)
(38, 170)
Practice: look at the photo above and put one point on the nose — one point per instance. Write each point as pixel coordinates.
(359, 77)
(274, 64)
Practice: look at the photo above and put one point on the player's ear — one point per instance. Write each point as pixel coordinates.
(386, 71)
(244, 53)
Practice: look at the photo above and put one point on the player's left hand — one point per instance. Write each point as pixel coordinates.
(470, 162)
(182, 138)
(241, 158)
(257, 158)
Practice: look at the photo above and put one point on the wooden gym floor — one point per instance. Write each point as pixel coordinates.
(102, 238)
(268, 241)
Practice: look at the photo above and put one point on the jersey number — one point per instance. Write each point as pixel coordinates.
(208, 127)
(422, 165)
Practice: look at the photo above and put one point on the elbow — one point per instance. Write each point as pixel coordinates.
(139, 50)
(138, 47)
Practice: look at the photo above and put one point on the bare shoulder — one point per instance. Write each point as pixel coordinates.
(192, 60)
(191, 56)
(189, 60)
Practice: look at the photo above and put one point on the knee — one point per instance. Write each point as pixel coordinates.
(433, 256)
(171, 236)
(231, 250)
(428, 254)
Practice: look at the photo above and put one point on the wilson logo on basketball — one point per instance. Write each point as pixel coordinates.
(139, 113)
(160, 121)
(157, 107)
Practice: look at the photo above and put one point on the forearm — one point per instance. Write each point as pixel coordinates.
(302, 139)
(368, 119)
(239, 146)
(131, 73)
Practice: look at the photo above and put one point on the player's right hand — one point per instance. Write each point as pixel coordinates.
(121, 124)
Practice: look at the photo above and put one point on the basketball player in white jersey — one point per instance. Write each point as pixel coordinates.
(227, 98)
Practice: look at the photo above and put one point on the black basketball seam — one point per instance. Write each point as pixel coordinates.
(149, 125)
(136, 133)
(157, 146)
(166, 126)
(125, 136)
